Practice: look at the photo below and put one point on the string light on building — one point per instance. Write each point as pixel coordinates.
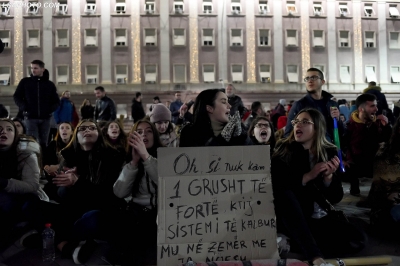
(357, 48)
(76, 49)
(135, 37)
(251, 51)
(18, 44)
(305, 45)
(194, 45)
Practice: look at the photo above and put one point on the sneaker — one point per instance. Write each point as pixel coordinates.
(84, 251)
(31, 239)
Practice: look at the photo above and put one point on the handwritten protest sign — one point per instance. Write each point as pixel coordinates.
(215, 204)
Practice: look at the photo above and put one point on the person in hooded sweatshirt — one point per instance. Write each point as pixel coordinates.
(37, 97)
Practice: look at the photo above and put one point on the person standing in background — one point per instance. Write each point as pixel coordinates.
(137, 110)
(176, 106)
(37, 97)
(235, 101)
(66, 112)
(105, 106)
(87, 110)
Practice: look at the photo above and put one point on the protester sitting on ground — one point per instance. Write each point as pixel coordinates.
(87, 110)
(161, 118)
(303, 180)
(52, 157)
(212, 124)
(90, 169)
(137, 228)
(19, 125)
(19, 178)
(384, 195)
(261, 132)
(115, 136)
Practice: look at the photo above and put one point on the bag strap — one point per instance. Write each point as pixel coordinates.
(328, 206)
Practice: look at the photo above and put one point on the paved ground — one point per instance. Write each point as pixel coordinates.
(377, 246)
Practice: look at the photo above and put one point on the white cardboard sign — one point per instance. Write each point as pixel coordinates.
(215, 204)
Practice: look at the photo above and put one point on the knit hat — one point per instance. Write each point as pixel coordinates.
(282, 101)
(282, 120)
(160, 113)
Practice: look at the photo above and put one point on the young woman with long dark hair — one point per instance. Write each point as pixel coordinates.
(212, 124)
(303, 177)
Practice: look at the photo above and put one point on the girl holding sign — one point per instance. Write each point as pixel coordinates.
(212, 123)
(303, 178)
(137, 228)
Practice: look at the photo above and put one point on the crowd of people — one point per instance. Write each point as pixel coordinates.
(94, 182)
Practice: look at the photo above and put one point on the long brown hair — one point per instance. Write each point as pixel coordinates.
(74, 144)
(84, 102)
(59, 143)
(122, 140)
(319, 144)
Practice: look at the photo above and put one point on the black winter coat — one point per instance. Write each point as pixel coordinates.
(137, 111)
(37, 97)
(105, 109)
(288, 175)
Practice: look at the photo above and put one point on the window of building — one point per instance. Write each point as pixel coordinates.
(62, 74)
(90, 7)
(33, 8)
(179, 37)
(292, 73)
(121, 74)
(320, 67)
(208, 37)
(264, 37)
(394, 40)
(343, 9)
(395, 74)
(209, 73)
(62, 8)
(90, 37)
(236, 37)
(369, 37)
(318, 38)
(318, 9)
(5, 73)
(120, 7)
(265, 73)
(150, 7)
(236, 7)
(4, 8)
(150, 73)
(263, 7)
(5, 36)
(345, 74)
(150, 37)
(344, 38)
(369, 10)
(92, 74)
(179, 73)
(33, 39)
(121, 37)
(393, 11)
(62, 38)
(291, 38)
(179, 7)
(291, 7)
(237, 73)
(370, 73)
(207, 6)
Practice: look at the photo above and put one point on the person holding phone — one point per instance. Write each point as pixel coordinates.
(303, 171)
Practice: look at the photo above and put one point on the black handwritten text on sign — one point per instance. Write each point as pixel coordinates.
(216, 204)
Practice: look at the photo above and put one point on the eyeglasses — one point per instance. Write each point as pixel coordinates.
(261, 125)
(313, 78)
(83, 128)
(302, 122)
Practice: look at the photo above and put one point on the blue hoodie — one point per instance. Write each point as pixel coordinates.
(64, 111)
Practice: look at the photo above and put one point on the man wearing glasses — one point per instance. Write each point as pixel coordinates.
(318, 99)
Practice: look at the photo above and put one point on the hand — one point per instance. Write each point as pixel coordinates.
(335, 112)
(346, 164)
(65, 179)
(384, 119)
(139, 150)
(331, 166)
(183, 110)
(315, 171)
(394, 197)
(51, 169)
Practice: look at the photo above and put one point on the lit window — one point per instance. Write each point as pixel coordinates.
(345, 74)
(343, 9)
(369, 10)
(62, 75)
(90, 37)
(62, 38)
(209, 73)
(318, 9)
(318, 38)
(120, 7)
(370, 74)
(264, 38)
(291, 38)
(369, 39)
(292, 73)
(121, 38)
(5, 38)
(395, 74)
(394, 40)
(291, 7)
(150, 37)
(207, 7)
(5, 73)
(4, 8)
(150, 7)
(121, 74)
(263, 7)
(265, 73)
(179, 7)
(150, 73)
(208, 37)
(90, 7)
(237, 73)
(344, 38)
(91, 74)
(33, 38)
(236, 7)
(179, 37)
(393, 11)
(236, 37)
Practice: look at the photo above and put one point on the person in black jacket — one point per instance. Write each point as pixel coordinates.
(37, 97)
(235, 101)
(137, 110)
(318, 99)
(3, 111)
(105, 107)
(212, 124)
(303, 172)
(87, 110)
